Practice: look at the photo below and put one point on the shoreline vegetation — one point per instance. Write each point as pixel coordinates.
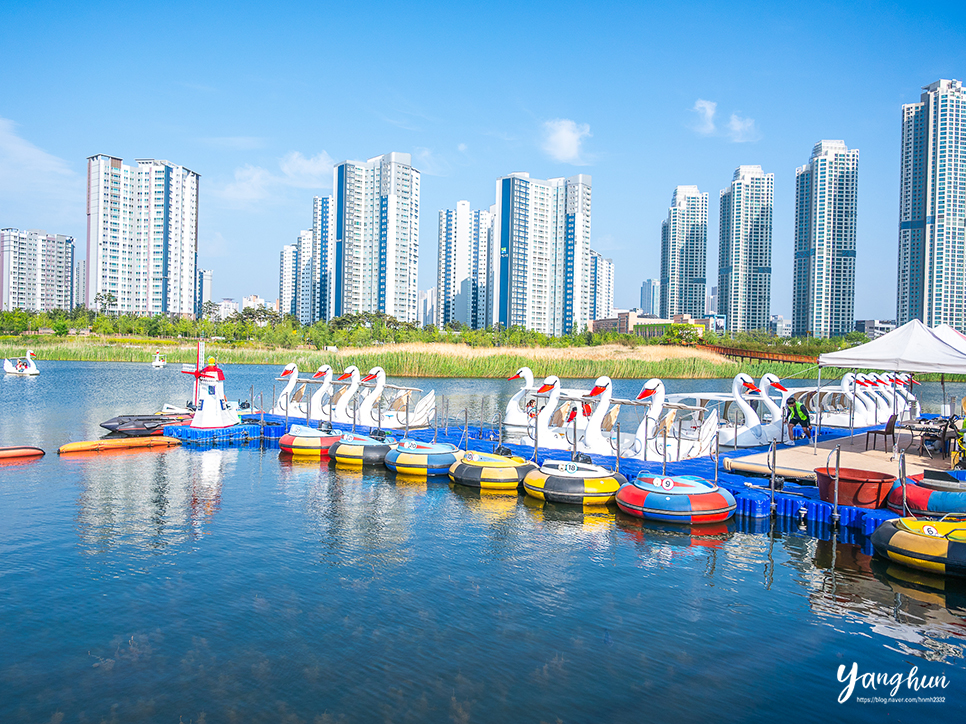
(424, 359)
(404, 349)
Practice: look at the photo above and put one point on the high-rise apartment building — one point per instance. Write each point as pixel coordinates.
(203, 292)
(323, 247)
(288, 280)
(651, 297)
(36, 270)
(539, 261)
(744, 250)
(464, 236)
(80, 284)
(711, 301)
(601, 286)
(426, 300)
(376, 240)
(826, 204)
(314, 267)
(307, 278)
(142, 235)
(932, 208)
(684, 253)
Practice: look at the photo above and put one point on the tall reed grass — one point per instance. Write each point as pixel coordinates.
(567, 364)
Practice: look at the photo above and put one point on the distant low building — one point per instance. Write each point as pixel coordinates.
(623, 323)
(254, 301)
(778, 326)
(226, 308)
(655, 327)
(873, 328)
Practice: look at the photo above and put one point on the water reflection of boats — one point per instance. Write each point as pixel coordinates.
(924, 587)
(844, 583)
(711, 535)
(492, 505)
(597, 518)
(150, 502)
(414, 483)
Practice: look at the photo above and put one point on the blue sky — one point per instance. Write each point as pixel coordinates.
(261, 99)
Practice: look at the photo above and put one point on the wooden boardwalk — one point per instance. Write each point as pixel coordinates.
(745, 355)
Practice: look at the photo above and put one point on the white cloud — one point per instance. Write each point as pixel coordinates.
(42, 188)
(429, 163)
(705, 110)
(738, 130)
(252, 183)
(742, 130)
(563, 140)
(255, 183)
(307, 173)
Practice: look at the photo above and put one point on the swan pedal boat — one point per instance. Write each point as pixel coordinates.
(936, 546)
(22, 366)
(489, 471)
(679, 499)
(560, 481)
(307, 442)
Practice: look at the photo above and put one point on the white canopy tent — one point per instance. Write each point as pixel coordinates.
(913, 347)
(950, 336)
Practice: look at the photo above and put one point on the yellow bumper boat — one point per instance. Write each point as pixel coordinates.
(489, 471)
(937, 546)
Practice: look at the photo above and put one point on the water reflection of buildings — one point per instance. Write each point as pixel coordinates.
(921, 614)
(151, 500)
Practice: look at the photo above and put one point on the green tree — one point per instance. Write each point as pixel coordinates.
(106, 302)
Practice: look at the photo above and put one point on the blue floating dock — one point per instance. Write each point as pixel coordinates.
(797, 505)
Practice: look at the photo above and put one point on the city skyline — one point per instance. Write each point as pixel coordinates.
(264, 133)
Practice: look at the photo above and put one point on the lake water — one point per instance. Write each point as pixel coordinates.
(233, 585)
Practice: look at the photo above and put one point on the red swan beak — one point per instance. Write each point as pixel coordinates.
(597, 390)
(778, 386)
(751, 387)
(317, 375)
(515, 377)
(544, 388)
(286, 373)
(368, 378)
(344, 376)
(644, 394)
